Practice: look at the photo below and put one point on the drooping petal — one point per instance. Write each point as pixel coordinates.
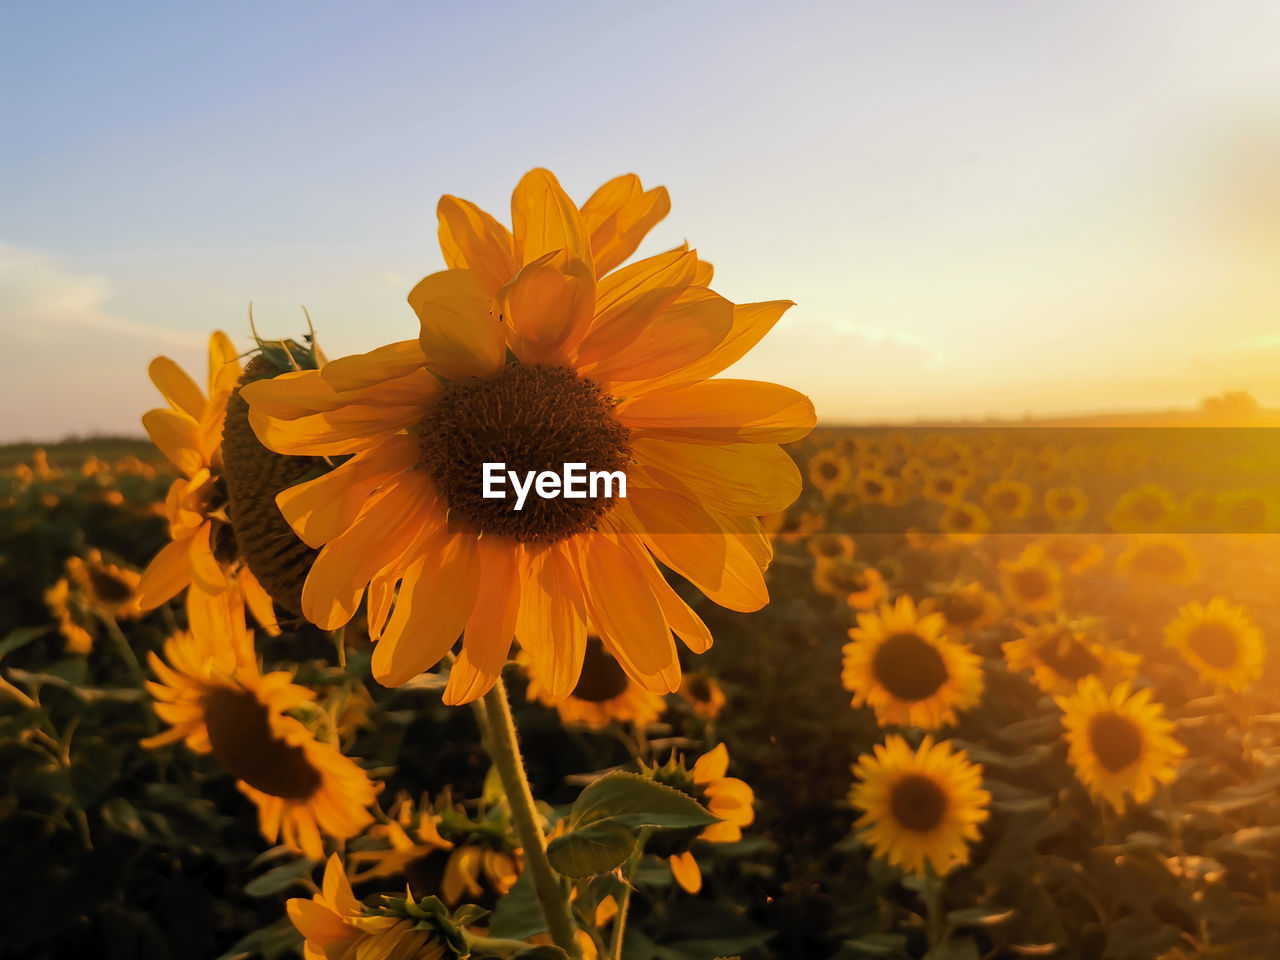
(722, 411)
(436, 599)
(619, 215)
(686, 872)
(366, 369)
(224, 366)
(551, 625)
(321, 509)
(487, 637)
(711, 766)
(544, 219)
(472, 240)
(178, 437)
(460, 337)
(548, 307)
(168, 574)
(386, 527)
(206, 572)
(258, 601)
(738, 479)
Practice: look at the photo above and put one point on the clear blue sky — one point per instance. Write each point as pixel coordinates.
(979, 207)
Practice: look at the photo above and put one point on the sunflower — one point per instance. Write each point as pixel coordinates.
(214, 698)
(604, 694)
(920, 808)
(77, 627)
(1144, 509)
(1031, 582)
(1061, 654)
(859, 585)
(792, 527)
(965, 606)
(906, 671)
(1220, 640)
(1074, 552)
(107, 588)
(1119, 743)
(728, 798)
(1160, 557)
(871, 485)
(1066, 504)
(1007, 499)
(913, 471)
(610, 370)
(964, 522)
(440, 849)
(945, 486)
(1247, 511)
(830, 472)
(831, 546)
(337, 926)
(202, 551)
(703, 693)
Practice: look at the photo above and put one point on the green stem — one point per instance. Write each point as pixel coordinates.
(504, 750)
(620, 922)
(125, 649)
(934, 918)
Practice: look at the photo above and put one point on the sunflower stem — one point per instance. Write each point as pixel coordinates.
(503, 748)
(935, 919)
(620, 924)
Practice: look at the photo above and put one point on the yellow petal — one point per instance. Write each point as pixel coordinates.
(436, 598)
(720, 411)
(627, 300)
(178, 437)
(366, 369)
(711, 766)
(258, 601)
(685, 869)
(168, 574)
(224, 366)
(547, 308)
(206, 572)
(472, 240)
(177, 387)
(618, 216)
(623, 608)
(487, 637)
(738, 479)
(551, 624)
(459, 337)
(544, 219)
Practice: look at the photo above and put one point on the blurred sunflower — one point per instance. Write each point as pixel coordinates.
(611, 371)
(438, 848)
(1007, 499)
(337, 926)
(921, 808)
(906, 671)
(1247, 511)
(831, 546)
(107, 588)
(1119, 743)
(75, 623)
(1066, 504)
(871, 485)
(703, 693)
(1031, 582)
(1074, 552)
(791, 526)
(913, 471)
(603, 695)
(214, 698)
(1220, 640)
(1145, 509)
(203, 550)
(964, 522)
(728, 798)
(1160, 557)
(964, 606)
(1061, 654)
(830, 472)
(945, 486)
(857, 584)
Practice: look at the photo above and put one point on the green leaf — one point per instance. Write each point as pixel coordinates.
(518, 915)
(16, 639)
(875, 945)
(636, 802)
(279, 878)
(593, 849)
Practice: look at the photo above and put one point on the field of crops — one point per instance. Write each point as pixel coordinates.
(1010, 697)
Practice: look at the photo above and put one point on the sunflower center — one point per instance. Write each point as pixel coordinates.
(1065, 502)
(918, 802)
(1148, 509)
(960, 610)
(1214, 643)
(241, 737)
(1006, 501)
(961, 519)
(909, 667)
(1069, 658)
(829, 471)
(873, 488)
(531, 419)
(1248, 514)
(699, 689)
(1115, 741)
(602, 679)
(1031, 583)
(108, 586)
(847, 579)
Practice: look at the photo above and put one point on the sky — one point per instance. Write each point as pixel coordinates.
(980, 209)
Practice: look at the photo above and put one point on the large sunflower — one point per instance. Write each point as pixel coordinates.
(1119, 742)
(603, 695)
(202, 551)
(921, 808)
(534, 351)
(1220, 640)
(214, 698)
(902, 666)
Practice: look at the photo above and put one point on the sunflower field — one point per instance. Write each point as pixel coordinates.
(281, 681)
